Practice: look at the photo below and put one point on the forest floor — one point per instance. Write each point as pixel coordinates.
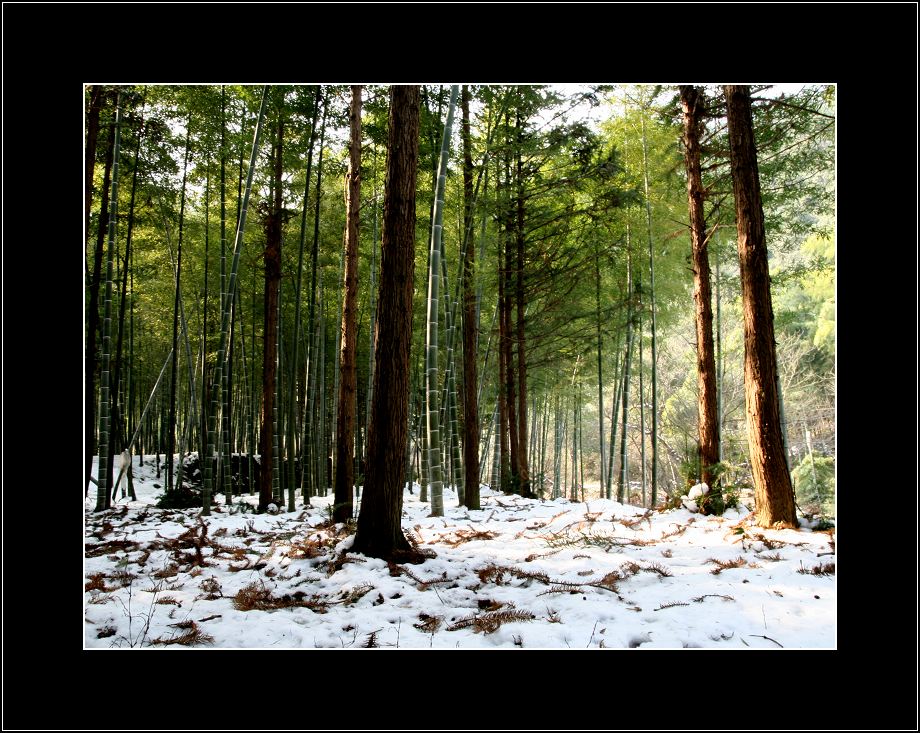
(521, 572)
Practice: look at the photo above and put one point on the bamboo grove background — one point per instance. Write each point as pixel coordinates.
(585, 353)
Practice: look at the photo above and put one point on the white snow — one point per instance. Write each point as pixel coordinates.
(519, 573)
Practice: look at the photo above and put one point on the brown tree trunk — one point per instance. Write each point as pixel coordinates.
(345, 423)
(379, 523)
(523, 468)
(270, 330)
(95, 279)
(773, 494)
(691, 103)
(470, 326)
(504, 471)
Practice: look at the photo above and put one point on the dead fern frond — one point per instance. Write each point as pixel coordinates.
(357, 593)
(371, 641)
(97, 582)
(775, 557)
(821, 569)
(654, 567)
(193, 635)
(609, 581)
(169, 571)
(256, 597)
(700, 599)
(560, 589)
(113, 546)
(632, 523)
(169, 601)
(490, 622)
(429, 624)
(672, 604)
(738, 562)
(211, 589)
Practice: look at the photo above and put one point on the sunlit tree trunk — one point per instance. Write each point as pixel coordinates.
(773, 494)
(345, 423)
(707, 406)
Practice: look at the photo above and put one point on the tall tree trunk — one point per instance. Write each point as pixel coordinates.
(92, 136)
(622, 486)
(171, 430)
(379, 532)
(510, 251)
(295, 359)
(773, 494)
(523, 467)
(692, 104)
(470, 326)
(345, 423)
(116, 412)
(651, 267)
(92, 328)
(600, 372)
(105, 402)
(270, 347)
(208, 482)
(310, 475)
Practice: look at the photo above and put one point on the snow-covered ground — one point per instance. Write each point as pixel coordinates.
(519, 573)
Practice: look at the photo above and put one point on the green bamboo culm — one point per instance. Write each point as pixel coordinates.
(105, 406)
(431, 332)
(225, 315)
(292, 405)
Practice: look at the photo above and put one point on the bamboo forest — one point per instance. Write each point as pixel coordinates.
(460, 366)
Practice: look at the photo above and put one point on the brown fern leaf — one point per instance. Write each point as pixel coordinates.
(821, 569)
(609, 582)
(671, 605)
(738, 562)
(371, 641)
(490, 622)
(193, 635)
(654, 567)
(429, 624)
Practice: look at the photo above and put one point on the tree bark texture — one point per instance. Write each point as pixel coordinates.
(345, 424)
(270, 331)
(692, 105)
(523, 467)
(379, 532)
(470, 326)
(773, 493)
